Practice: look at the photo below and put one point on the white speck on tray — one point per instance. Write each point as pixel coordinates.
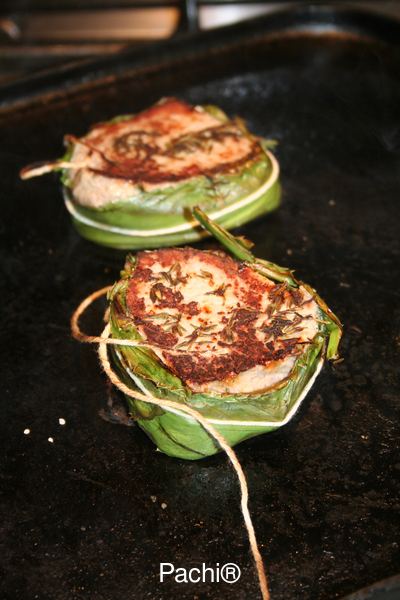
(61, 421)
(27, 431)
(50, 440)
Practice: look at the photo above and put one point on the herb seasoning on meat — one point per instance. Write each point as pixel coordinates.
(239, 340)
(133, 181)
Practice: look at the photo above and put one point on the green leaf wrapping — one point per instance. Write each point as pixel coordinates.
(235, 416)
(163, 217)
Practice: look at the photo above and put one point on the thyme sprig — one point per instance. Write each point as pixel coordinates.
(141, 144)
(134, 141)
(277, 295)
(219, 291)
(275, 327)
(206, 275)
(280, 327)
(173, 276)
(199, 331)
(201, 140)
(227, 334)
(171, 323)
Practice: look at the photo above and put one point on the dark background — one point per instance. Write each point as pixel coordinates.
(41, 34)
(92, 514)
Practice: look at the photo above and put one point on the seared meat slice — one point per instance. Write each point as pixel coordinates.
(217, 323)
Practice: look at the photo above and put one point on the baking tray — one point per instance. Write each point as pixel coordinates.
(89, 508)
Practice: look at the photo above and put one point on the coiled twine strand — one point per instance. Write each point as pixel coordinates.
(103, 341)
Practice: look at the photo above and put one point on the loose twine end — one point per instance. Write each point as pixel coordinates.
(103, 342)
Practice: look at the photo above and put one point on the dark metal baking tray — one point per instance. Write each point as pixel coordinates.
(92, 513)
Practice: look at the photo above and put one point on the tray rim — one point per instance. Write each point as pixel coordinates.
(388, 585)
(309, 19)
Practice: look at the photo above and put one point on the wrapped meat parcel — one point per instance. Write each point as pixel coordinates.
(132, 182)
(239, 340)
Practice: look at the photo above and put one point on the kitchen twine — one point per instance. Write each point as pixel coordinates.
(103, 341)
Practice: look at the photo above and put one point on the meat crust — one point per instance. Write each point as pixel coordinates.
(162, 146)
(217, 323)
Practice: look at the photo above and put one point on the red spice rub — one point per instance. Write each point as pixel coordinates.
(244, 354)
(156, 335)
(237, 342)
(131, 154)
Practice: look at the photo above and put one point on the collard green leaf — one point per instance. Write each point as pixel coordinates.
(235, 416)
(155, 231)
